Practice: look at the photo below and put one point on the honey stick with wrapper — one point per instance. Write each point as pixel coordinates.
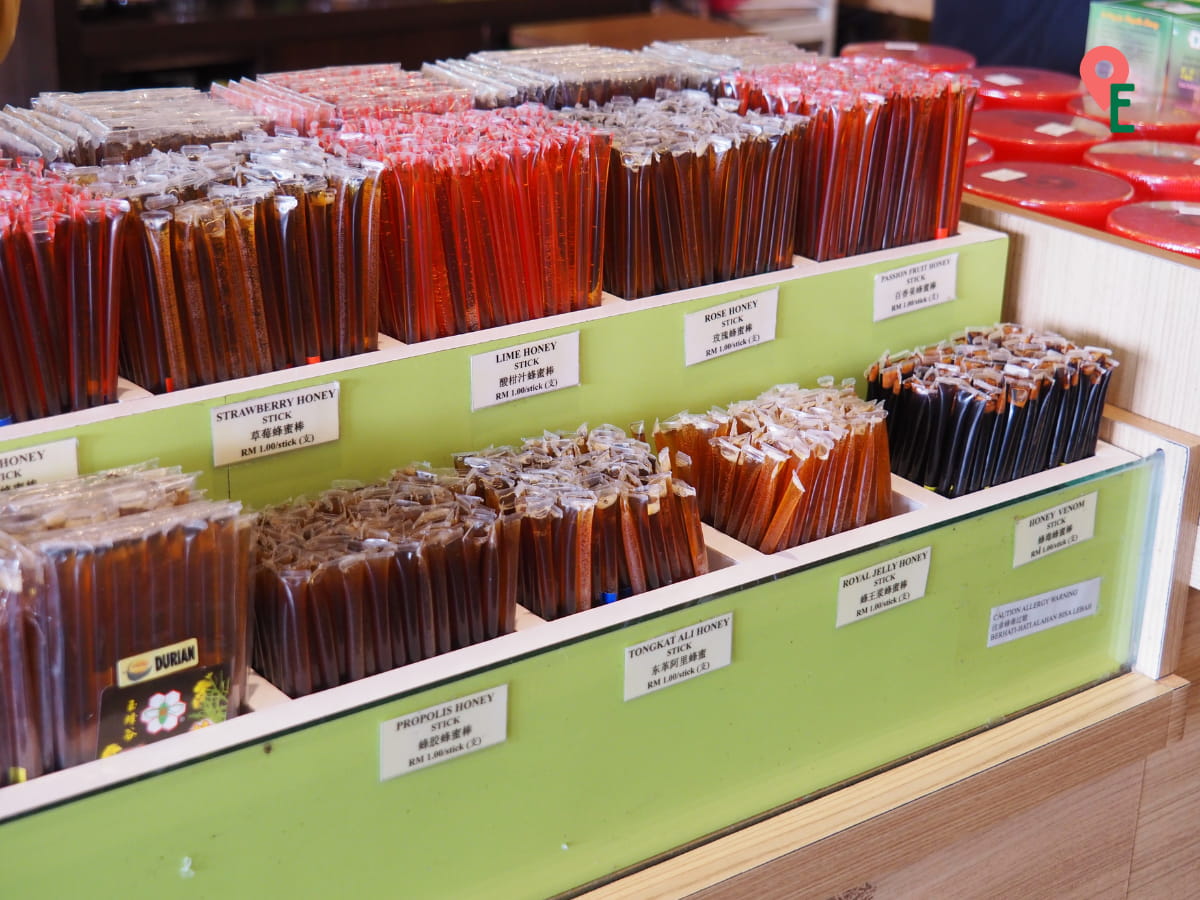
(307, 99)
(990, 405)
(376, 576)
(598, 517)
(696, 191)
(59, 293)
(134, 568)
(489, 217)
(240, 258)
(24, 740)
(792, 466)
(885, 153)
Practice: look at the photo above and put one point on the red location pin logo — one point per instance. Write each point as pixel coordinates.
(1101, 67)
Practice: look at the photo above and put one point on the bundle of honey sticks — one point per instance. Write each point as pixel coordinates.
(990, 405)
(697, 193)
(570, 75)
(361, 580)
(243, 258)
(366, 578)
(22, 652)
(102, 574)
(885, 150)
(579, 74)
(118, 126)
(701, 62)
(487, 218)
(793, 466)
(59, 294)
(601, 517)
(309, 99)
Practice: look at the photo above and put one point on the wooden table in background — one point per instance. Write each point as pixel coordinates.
(630, 32)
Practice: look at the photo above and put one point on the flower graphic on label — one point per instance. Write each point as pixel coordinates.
(163, 712)
(200, 691)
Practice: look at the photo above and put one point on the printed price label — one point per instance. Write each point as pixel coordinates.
(443, 732)
(1054, 129)
(538, 367)
(265, 426)
(914, 287)
(886, 585)
(1004, 79)
(41, 464)
(673, 658)
(1004, 175)
(736, 325)
(1054, 529)
(1034, 614)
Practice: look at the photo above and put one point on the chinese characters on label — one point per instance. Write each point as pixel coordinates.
(736, 325)
(1054, 529)
(446, 731)
(549, 364)
(1034, 614)
(676, 657)
(914, 287)
(184, 699)
(885, 585)
(265, 426)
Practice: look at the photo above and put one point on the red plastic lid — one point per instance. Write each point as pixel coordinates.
(1167, 224)
(934, 57)
(978, 152)
(1152, 120)
(1022, 88)
(1075, 193)
(1037, 135)
(1158, 170)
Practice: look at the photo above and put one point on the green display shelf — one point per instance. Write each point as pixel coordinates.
(407, 403)
(289, 798)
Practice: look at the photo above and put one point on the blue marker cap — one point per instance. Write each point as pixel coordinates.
(608, 597)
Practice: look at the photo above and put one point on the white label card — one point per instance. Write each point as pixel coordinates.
(1004, 175)
(1004, 79)
(446, 731)
(736, 325)
(882, 586)
(523, 370)
(901, 45)
(1054, 129)
(679, 656)
(916, 287)
(1034, 614)
(1185, 210)
(278, 423)
(40, 464)
(1054, 529)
